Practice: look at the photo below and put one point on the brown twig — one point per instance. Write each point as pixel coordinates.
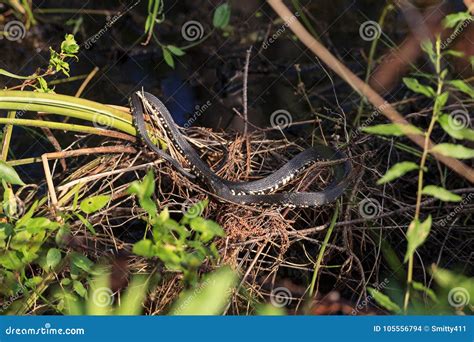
(66, 154)
(362, 88)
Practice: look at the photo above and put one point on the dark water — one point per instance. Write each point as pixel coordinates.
(210, 72)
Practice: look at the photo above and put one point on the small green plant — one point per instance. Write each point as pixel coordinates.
(419, 229)
(99, 298)
(182, 246)
(220, 21)
(57, 64)
(23, 240)
(210, 296)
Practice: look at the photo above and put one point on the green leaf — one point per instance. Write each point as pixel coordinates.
(440, 102)
(56, 61)
(148, 22)
(131, 303)
(428, 48)
(453, 150)
(69, 45)
(43, 86)
(9, 204)
(414, 85)
(383, 300)
(194, 211)
(221, 16)
(95, 203)
(33, 282)
(86, 223)
(454, 53)
(454, 19)
(441, 193)
(175, 50)
(144, 190)
(18, 77)
(397, 171)
(455, 128)
(422, 288)
(391, 129)
(11, 261)
(40, 224)
(79, 288)
(269, 310)
(463, 87)
(65, 281)
(62, 236)
(208, 228)
(53, 258)
(9, 175)
(100, 296)
(144, 248)
(416, 235)
(208, 298)
(168, 57)
(81, 262)
(28, 215)
(457, 283)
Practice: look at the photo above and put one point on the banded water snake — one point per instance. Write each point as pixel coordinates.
(259, 192)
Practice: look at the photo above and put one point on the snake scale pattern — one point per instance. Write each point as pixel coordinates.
(260, 192)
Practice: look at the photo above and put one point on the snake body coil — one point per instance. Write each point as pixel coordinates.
(259, 192)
